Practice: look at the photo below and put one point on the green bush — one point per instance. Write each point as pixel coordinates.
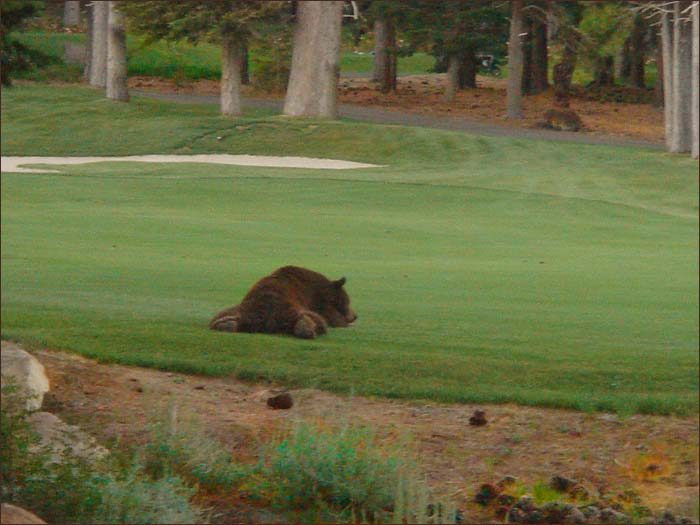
(74, 490)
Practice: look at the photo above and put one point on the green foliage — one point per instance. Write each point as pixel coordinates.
(339, 471)
(180, 445)
(75, 490)
(483, 269)
(15, 57)
(604, 27)
(196, 21)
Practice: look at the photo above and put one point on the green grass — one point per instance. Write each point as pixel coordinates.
(482, 269)
(184, 60)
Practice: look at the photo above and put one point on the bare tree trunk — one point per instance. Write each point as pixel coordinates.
(98, 58)
(467, 69)
(88, 43)
(231, 65)
(452, 77)
(385, 54)
(637, 47)
(245, 66)
(682, 59)
(667, 51)
(696, 78)
(379, 49)
(313, 79)
(116, 56)
(515, 62)
(540, 58)
(526, 40)
(659, 84)
(71, 13)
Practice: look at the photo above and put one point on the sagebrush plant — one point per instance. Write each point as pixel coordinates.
(71, 489)
(340, 473)
(180, 445)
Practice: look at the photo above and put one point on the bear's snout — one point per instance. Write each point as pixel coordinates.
(351, 317)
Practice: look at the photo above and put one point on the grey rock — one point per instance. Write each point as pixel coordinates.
(57, 436)
(26, 372)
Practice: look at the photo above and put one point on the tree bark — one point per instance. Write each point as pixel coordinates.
(379, 49)
(313, 79)
(696, 79)
(467, 70)
(540, 58)
(604, 75)
(452, 77)
(637, 47)
(514, 93)
(526, 40)
(88, 43)
(231, 66)
(667, 51)
(116, 56)
(385, 54)
(659, 84)
(98, 56)
(71, 13)
(245, 66)
(682, 83)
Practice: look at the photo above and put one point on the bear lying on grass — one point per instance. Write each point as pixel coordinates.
(291, 300)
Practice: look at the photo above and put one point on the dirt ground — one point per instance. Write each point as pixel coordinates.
(423, 94)
(656, 456)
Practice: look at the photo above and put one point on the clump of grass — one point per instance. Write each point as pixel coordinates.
(75, 490)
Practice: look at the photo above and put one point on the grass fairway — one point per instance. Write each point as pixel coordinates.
(482, 269)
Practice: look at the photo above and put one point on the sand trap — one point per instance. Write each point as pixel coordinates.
(11, 164)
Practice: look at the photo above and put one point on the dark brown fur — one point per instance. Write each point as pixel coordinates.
(291, 300)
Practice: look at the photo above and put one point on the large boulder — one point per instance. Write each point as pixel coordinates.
(57, 436)
(23, 369)
(13, 515)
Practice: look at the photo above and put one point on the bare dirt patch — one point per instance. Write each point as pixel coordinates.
(423, 94)
(655, 456)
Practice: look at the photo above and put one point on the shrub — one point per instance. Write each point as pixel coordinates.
(74, 490)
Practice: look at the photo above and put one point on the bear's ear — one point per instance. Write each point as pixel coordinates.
(340, 282)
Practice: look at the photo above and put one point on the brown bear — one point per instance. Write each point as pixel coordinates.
(291, 300)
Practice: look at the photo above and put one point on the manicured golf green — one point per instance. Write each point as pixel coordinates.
(482, 269)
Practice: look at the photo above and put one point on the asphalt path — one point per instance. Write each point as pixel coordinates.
(386, 116)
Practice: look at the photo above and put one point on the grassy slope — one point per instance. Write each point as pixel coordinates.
(483, 269)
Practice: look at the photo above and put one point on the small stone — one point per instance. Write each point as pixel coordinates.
(613, 516)
(199, 387)
(487, 493)
(506, 481)
(13, 514)
(562, 484)
(281, 401)
(478, 418)
(574, 516)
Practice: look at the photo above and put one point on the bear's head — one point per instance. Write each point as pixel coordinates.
(340, 302)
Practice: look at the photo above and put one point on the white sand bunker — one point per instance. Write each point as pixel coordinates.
(12, 164)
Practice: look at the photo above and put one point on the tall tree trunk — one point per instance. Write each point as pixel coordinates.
(88, 43)
(667, 50)
(313, 79)
(637, 46)
(540, 58)
(71, 13)
(467, 69)
(231, 65)
(696, 78)
(682, 84)
(116, 56)
(98, 58)
(385, 54)
(452, 77)
(380, 55)
(622, 62)
(245, 66)
(659, 83)
(527, 56)
(515, 62)
(604, 71)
